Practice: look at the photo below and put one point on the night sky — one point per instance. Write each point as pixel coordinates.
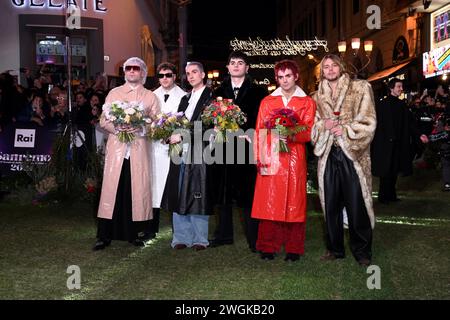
(213, 23)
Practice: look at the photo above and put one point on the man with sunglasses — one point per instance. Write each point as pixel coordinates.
(169, 95)
(125, 206)
(238, 180)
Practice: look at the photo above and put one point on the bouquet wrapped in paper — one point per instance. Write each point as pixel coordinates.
(165, 125)
(287, 124)
(223, 115)
(129, 115)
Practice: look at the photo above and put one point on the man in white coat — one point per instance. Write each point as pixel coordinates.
(169, 95)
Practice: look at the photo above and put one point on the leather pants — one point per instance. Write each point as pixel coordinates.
(342, 189)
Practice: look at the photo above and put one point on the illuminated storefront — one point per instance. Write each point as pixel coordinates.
(33, 34)
(436, 62)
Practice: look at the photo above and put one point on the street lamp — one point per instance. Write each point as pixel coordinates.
(356, 44)
(213, 77)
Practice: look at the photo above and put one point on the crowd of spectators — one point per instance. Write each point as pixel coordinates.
(431, 113)
(42, 102)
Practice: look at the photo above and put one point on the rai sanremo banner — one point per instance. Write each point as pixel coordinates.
(24, 142)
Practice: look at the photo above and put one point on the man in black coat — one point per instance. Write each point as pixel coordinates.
(237, 181)
(188, 190)
(392, 147)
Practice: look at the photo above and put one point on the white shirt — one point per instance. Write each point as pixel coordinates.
(297, 93)
(193, 100)
(237, 85)
(172, 103)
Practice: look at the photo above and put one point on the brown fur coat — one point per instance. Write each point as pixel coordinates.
(358, 118)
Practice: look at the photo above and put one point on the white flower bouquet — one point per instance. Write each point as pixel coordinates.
(128, 117)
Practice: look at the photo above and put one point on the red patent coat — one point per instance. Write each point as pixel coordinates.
(280, 190)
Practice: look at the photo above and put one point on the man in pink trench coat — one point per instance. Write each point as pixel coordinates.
(125, 202)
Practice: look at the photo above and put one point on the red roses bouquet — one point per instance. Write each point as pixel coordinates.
(287, 123)
(224, 115)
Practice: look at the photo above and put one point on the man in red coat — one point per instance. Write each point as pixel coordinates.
(280, 191)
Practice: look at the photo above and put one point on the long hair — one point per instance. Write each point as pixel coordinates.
(336, 59)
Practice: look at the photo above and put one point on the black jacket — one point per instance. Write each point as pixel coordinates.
(248, 99)
(392, 148)
(194, 196)
(238, 181)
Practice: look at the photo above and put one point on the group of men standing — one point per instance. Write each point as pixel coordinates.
(339, 120)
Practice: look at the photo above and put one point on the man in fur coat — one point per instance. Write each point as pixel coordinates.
(344, 127)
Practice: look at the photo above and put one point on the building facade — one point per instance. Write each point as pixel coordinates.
(399, 31)
(33, 33)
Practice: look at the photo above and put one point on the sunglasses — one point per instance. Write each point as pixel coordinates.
(167, 75)
(135, 68)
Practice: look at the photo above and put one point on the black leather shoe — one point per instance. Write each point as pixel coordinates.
(144, 236)
(364, 262)
(267, 256)
(292, 257)
(252, 249)
(198, 247)
(218, 243)
(139, 243)
(101, 244)
(329, 256)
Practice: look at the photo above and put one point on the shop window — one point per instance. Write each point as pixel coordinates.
(51, 51)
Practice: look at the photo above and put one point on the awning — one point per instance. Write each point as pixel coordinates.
(387, 72)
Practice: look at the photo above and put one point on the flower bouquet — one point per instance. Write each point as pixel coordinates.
(126, 114)
(224, 115)
(44, 188)
(46, 185)
(287, 123)
(164, 126)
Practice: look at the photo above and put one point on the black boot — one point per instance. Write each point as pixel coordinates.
(101, 244)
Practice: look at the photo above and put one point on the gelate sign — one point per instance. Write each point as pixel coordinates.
(85, 5)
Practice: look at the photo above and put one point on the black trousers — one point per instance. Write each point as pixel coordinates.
(237, 182)
(154, 223)
(224, 229)
(342, 189)
(386, 190)
(121, 226)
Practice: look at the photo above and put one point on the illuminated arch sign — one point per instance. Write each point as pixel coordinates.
(85, 5)
(277, 47)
